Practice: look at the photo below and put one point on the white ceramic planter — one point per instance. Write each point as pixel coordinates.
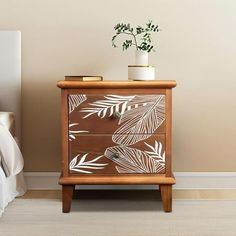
(136, 72)
(141, 58)
(141, 70)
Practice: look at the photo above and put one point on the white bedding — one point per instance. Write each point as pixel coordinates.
(11, 176)
(10, 187)
(10, 153)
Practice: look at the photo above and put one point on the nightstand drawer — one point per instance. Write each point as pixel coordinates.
(99, 154)
(116, 114)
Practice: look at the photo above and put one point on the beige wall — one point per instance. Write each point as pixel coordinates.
(197, 48)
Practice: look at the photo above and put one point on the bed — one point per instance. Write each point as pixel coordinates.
(12, 182)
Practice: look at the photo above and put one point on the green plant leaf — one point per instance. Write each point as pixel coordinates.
(141, 36)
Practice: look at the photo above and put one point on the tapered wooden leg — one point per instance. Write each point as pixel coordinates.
(67, 194)
(166, 195)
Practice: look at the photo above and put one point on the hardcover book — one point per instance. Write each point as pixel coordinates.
(83, 78)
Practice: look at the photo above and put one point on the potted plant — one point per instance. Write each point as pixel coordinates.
(140, 38)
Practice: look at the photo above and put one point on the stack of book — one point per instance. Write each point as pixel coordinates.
(83, 78)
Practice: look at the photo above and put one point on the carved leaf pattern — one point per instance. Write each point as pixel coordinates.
(141, 115)
(141, 122)
(156, 152)
(75, 100)
(73, 132)
(80, 165)
(132, 160)
(111, 104)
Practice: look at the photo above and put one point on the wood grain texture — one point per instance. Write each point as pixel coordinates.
(121, 91)
(67, 194)
(121, 136)
(131, 179)
(168, 132)
(117, 84)
(64, 136)
(108, 124)
(92, 147)
(166, 195)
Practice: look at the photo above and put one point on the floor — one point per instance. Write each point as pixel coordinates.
(216, 194)
(122, 212)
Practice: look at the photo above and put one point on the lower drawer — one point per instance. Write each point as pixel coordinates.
(98, 154)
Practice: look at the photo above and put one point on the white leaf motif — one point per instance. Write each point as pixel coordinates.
(73, 133)
(156, 152)
(75, 100)
(107, 107)
(82, 164)
(132, 160)
(141, 122)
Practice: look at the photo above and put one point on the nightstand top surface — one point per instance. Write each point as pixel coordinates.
(166, 84)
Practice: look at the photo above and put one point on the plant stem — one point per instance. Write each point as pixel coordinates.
(135, 40)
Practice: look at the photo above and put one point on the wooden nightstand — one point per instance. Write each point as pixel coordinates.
(116, 132)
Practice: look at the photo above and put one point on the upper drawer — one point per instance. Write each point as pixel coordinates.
(116, 114)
